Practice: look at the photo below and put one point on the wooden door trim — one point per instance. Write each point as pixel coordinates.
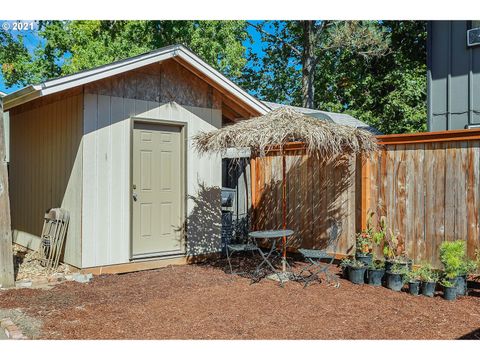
(183, 204)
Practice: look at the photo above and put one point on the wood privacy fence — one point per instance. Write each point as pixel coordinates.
(315, 190)
(427, 185)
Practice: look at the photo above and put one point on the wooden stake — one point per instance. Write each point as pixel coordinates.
(284, 210)
(6, 251)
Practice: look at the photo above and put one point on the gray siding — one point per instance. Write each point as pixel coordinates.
(453, 77)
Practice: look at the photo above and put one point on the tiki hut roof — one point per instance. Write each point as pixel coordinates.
(284, 125)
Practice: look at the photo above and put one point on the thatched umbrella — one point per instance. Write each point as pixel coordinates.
(281, 126)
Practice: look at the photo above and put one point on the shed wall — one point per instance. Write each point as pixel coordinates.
(46, 168)
(160, 92)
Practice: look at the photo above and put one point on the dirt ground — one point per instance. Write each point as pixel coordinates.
(203, 302)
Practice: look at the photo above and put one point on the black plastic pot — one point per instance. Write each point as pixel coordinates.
(450, 293)
(414, 288)
(428, 288)
(365, 258)
(389, 264)
(394, 281)
(356, 275)
(375, 276)
(461, 285)
(345, 272)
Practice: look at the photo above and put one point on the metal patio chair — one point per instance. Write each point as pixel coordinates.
(246, 244)
(320, 260)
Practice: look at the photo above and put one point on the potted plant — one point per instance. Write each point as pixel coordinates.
(362, 248)
(453, 255)
(395, 277)
(345, 264)
(449, 290)
(429, 278)
(366, 239)
(375, 273)
(356, 272)
(394, 252)
(412, 277)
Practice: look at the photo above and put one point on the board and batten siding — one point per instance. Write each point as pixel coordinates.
(45, 168)
(159, 92)
(453, 77)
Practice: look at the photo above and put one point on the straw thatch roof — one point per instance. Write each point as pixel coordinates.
(285, 125)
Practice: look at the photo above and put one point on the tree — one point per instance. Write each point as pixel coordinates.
(308, 40)
(387, 92)
(70, 46)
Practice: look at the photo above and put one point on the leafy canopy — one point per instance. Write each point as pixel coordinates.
(70, 46)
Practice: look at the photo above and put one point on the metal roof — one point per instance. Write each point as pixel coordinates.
(337, 118)
(66, 82)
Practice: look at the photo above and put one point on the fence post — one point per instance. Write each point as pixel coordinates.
(6, 253)
(365, 201)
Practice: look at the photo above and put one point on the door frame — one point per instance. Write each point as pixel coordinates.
(183, 185)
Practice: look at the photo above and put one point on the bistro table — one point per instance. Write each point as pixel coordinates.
(272, 236)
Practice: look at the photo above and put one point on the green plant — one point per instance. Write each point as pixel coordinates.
(427, 273)
(399, 269)
(346, 262)
(412, 276)
(453, 255)
(377, 265)
(393, 247)
(363, 242)
(357, 264)
(446, 283)
(372, 235)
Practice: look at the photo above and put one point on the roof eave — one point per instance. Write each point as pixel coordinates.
(21, 96)
(49, 87)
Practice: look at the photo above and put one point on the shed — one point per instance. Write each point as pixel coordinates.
(112, 146)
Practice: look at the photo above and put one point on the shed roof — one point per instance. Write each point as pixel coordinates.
(178, 52)
(338, 118)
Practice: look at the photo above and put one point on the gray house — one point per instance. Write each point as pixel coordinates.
(453, 75)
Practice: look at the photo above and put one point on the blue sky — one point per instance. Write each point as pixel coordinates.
(31, 39)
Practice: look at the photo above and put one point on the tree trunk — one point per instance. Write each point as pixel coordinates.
(308, 63)
(6, 253)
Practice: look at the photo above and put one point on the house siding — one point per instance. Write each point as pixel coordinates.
(166, 92)
(453, 77)
(45, 168)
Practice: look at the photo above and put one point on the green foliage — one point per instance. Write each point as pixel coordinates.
(377, 265)
(446, 283)
(426, 273)
(453, 255)
(346, 262)
(387, 92)
(372, 235)
(357, 264)
(398, 268)
(72, 46)
(412, 275)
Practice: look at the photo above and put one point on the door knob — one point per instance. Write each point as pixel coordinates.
(134, 196)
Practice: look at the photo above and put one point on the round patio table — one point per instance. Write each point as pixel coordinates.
(272, 235)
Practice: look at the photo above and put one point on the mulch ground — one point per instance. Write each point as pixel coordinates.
(203, 302)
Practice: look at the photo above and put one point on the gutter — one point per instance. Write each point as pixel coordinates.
(20, 96)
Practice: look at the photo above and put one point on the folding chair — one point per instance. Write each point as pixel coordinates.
(245, 246)
(315, 257)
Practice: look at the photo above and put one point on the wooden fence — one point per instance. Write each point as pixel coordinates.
(427, 185)
(315, 190)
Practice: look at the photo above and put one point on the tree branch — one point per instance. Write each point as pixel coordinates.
(259, 28)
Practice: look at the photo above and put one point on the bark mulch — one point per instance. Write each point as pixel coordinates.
(203, 302)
